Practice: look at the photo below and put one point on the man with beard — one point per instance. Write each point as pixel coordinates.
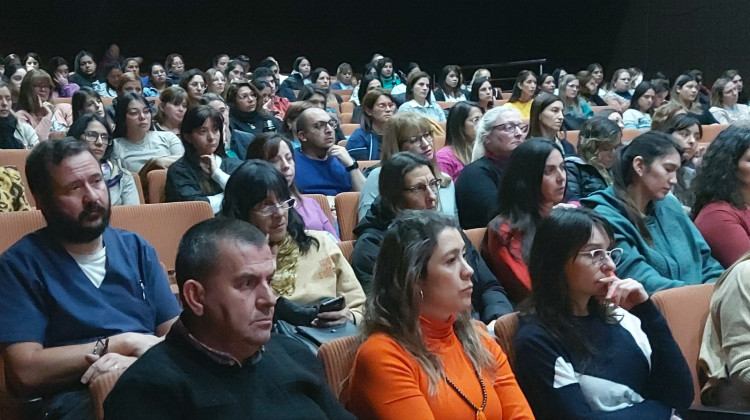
(79, 297)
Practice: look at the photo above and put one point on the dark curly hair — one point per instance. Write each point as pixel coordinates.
(717, 178)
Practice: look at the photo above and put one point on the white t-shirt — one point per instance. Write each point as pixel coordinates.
(94, 266)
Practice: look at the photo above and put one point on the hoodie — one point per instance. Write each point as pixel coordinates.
(488, 299)
(679, 255)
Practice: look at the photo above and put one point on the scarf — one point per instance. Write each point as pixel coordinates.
(8, 139)
(284, 281)
(245, 117)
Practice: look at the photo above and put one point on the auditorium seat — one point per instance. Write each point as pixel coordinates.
(347, 248)
(15, 225)
(438, 142)
(597, 109)
(446, 105)
(348, 129)
(506, 95)
(572, 137)
(346, 118)
(505, 329)
(334, 105)
(323, 201)
(629, 134)
(347, 106)
(17, 159)
(107, 101)
(710, 132)
(476, 236)
(100, 388)
(156, 185)
(63, 100)
(338, 359)
(346, 211)
(139, 187)
(364, 164)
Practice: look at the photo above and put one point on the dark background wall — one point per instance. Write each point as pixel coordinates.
(667, 35)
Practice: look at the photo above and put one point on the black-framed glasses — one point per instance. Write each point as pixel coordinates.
(101, 347)
(272, 209)
(433, 185)
(321, 124)
(93, 136)
(511, 127)
(599, 256)
(416, 140)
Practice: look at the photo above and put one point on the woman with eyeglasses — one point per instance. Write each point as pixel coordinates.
(35, 105)
(590, 343)
(575, 109)
(157, 80)
(497, 134)
(422, 356)
(136, 143)
(532, 185)
(246, 111)
(309, 265)
(94, 130)
(459, 139)
(418, 89)
(175, 65)
(408, 132)
(408, 182)
(365, 142)
(663, 248)
(194, 83)
(201, 174)
(591, 171)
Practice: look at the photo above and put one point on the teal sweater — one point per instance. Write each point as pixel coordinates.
(679, 255)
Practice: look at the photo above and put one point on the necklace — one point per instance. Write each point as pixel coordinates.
(478, 410)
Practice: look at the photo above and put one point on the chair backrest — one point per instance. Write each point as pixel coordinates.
(686, 310)
(348, 129)
(347, 106)
(338, 359)
(17, 224)
(17, 159)
(711, 131)
(324, 204)
(596, 109)
(446, 105)
(157, 186)
(506, 95)
(162, 225)
(334, 105)
(505, 329)
(476, 236)
(572, 137)
(347, 248)
(629, 134)
(346, 212)
(438, 142)
(139, 188)
(364, 164)
(346, 118)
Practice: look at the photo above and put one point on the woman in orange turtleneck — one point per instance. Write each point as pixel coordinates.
(423, 357)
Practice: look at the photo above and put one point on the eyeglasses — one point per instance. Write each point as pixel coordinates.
(599, 256)
(266, 211)
(134, 112)
(92, 137)
(434, 186)
(417, 140)
(388, 105)
(321, 124)
(511, 127)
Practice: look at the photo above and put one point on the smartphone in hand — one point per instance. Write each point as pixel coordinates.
(333, 304)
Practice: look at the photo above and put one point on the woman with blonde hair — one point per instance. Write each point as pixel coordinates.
(419, 338)
(216, 82)
(724, 106)
(591, 170)
(408, 132)
(35, 102)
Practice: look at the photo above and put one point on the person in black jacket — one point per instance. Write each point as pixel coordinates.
(591, 172)
(246, 111)
(300, 76)
(407, 181)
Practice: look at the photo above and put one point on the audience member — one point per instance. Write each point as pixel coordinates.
(589, 89)
(216, 82)
(246, 111)
(220, 360)
(96, 133)
(639, 114)
(533, 183)
(309, 265)
(498, 133)
(175, 66)
(459, 139)
(482, 93)
(14, 134)
(236, 71)
(590, 344)
(300, 75)
(276, 149)
(220, 62)
(369, 82)
(418, 88)
(575, 109)
(686, 131)
(137, 145)
(173, 103)
(290, 121)
(365, 142)
(14, 74)
(84, 68)
(524, 91)
(546, 121)
(157, 80)
(685, 93)
(201, 174)
(724, 106)
(31, 61)
(619, 94)
(343, 77)
(408, 132)
(322, 166)
(546, 84)
(419, 336)
(662, 248)
(614, 116)
(277, 104)
(388, 77)
(34, 102)
(449, 85)
(235, 142)
(664, 113)
(87, 101)
(591, 170)
(735, 77)
(597, 74)
(722, 194)
(60, 72)
(321, 79)
(79, 309)
(194, 83)
(661, 92)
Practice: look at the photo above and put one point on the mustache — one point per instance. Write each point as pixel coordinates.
(93, 209)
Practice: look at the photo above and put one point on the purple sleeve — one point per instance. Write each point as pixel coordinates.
(314, 217)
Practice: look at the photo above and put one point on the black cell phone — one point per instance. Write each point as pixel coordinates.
(332, 304)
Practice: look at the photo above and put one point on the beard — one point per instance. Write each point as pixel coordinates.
(68, 229)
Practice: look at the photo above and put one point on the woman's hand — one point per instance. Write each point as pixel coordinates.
(110, 362)
(208, 164)
(327, 319)
(625, 293)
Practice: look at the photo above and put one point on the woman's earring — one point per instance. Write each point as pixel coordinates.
(421, 294)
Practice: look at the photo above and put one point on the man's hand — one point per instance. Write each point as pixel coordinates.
(110, 362)
(340, 153)
(132, 344)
